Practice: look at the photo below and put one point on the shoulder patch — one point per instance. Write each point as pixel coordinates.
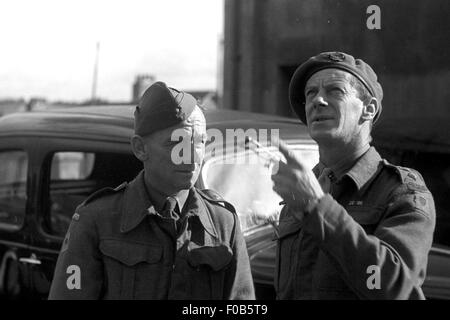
(409, 177)
(103, 192)
(214, 197)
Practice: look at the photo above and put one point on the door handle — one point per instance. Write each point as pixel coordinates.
(31, 260)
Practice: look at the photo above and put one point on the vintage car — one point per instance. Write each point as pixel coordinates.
(52, 160)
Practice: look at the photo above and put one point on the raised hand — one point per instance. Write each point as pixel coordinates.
(294, 182)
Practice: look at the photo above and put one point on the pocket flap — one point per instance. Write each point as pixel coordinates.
(130, 253)
(216, 257)
(287, 226)
(365, 215)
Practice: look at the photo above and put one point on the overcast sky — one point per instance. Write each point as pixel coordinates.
(48, 46)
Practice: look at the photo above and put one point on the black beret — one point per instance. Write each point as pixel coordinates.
(326, 60)
(161, 107)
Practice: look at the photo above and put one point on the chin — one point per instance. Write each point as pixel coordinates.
(186, 182)
(185, 185)
(321, 134)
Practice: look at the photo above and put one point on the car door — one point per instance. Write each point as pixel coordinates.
(69, 171)
(16, 198)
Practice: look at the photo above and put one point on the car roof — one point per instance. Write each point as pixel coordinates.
(115, 122)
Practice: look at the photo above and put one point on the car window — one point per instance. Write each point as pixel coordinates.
(72, 165)
(13, 197)
(76, 175)
(244, 180)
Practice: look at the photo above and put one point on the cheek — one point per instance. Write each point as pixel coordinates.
(160, 157)
(308, 109)
(351, 115)
(200, 149)
(199, 154)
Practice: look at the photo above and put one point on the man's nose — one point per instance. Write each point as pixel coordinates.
(197, 153)
(320, 99)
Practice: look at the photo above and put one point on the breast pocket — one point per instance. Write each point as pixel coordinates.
(367, 216)
(133, 270)
(206, 270)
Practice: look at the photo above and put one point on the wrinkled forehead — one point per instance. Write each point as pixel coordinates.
(328, 76)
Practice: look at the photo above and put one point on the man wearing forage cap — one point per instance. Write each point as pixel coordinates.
(158, 237)
(363, 228)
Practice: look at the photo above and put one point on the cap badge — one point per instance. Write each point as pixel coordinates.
(336, 56)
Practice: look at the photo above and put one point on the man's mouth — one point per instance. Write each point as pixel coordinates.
(187, 169)
(318, 119)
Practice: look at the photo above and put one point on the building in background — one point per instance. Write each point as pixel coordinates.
(206, 98)
(19, 105)
(265, 41)
(140, 84)
(219, 85)
(12, 105)
(37, 103)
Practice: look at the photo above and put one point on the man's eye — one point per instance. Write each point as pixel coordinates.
(337, 90)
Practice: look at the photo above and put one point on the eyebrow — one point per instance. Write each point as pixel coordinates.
(327, 83)
(310, 87)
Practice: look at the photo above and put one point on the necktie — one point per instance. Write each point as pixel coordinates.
(169, 210)
(325, 180)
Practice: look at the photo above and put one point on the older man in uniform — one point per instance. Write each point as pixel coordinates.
(364, 227)
(157, 237)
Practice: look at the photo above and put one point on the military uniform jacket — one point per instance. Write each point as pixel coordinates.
(368, 239)
(123, 249)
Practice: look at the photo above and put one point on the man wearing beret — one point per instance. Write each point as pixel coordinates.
(356, 226)
(157, 237)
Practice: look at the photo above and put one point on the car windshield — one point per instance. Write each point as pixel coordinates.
(244, 180)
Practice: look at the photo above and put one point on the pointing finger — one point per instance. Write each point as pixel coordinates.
(291, 158)
(284, 149)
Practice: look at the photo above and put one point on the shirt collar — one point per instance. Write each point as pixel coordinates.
(195, 206)
(365, 168)
(359, 170)
(137, 205)
(342, 166)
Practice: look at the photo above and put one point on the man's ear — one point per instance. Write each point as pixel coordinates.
(370, 110)
(139, 148)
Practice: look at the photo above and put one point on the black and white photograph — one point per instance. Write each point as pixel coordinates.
(236, 152)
